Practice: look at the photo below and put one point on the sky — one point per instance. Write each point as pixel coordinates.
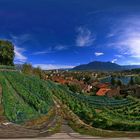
(64, 33)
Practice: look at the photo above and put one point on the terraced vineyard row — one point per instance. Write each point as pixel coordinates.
(114, 114)
(21, 101)
(15, 108)
(32, 90)
(96, 101)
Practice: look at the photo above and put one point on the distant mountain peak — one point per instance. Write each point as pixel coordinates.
(104, 66)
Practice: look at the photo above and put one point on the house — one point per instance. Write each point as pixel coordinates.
(102, 91)
(70, 80)
(109, 92)
(58, 79)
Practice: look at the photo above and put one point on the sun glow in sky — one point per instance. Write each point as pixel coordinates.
(66, 33)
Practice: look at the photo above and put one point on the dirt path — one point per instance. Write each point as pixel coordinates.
(66, 133)
(10, 130)
(65, 128)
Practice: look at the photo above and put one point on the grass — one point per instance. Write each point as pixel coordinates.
(21, 104)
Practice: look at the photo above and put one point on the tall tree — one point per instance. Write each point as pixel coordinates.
(6, 53)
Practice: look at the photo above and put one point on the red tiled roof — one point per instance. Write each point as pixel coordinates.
(102, 91)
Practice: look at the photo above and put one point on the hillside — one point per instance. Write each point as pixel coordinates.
(104, 66)
(26, 97)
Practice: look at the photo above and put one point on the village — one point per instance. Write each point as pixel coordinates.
(96, 83)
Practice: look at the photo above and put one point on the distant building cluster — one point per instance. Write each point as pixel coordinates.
(89, 83)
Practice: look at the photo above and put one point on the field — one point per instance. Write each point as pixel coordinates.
(100, 112)
(26, 98)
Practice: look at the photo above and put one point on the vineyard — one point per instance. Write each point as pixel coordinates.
(24, 97)
(27, 97)
(102, 112)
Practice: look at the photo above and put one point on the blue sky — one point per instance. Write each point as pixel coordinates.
(66, 33)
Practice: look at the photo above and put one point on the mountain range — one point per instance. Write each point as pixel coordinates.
(104, 66)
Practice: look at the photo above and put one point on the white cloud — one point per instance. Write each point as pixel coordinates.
(60, 47)
(18, 41)
(110, 35)
(19, 57)
(114, 60)
(126, 38)
(51, 50)
(98, 53)
(40, 52)
(85, 37)
(52, 66)
(130, 45)
(134, 63)
(119, 56)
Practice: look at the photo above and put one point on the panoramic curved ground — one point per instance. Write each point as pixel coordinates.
(33, 108)
(66, 133)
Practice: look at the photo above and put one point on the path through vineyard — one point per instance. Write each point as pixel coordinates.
(9, 130)
(66, 133)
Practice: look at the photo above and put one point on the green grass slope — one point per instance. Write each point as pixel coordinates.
(24, 97)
